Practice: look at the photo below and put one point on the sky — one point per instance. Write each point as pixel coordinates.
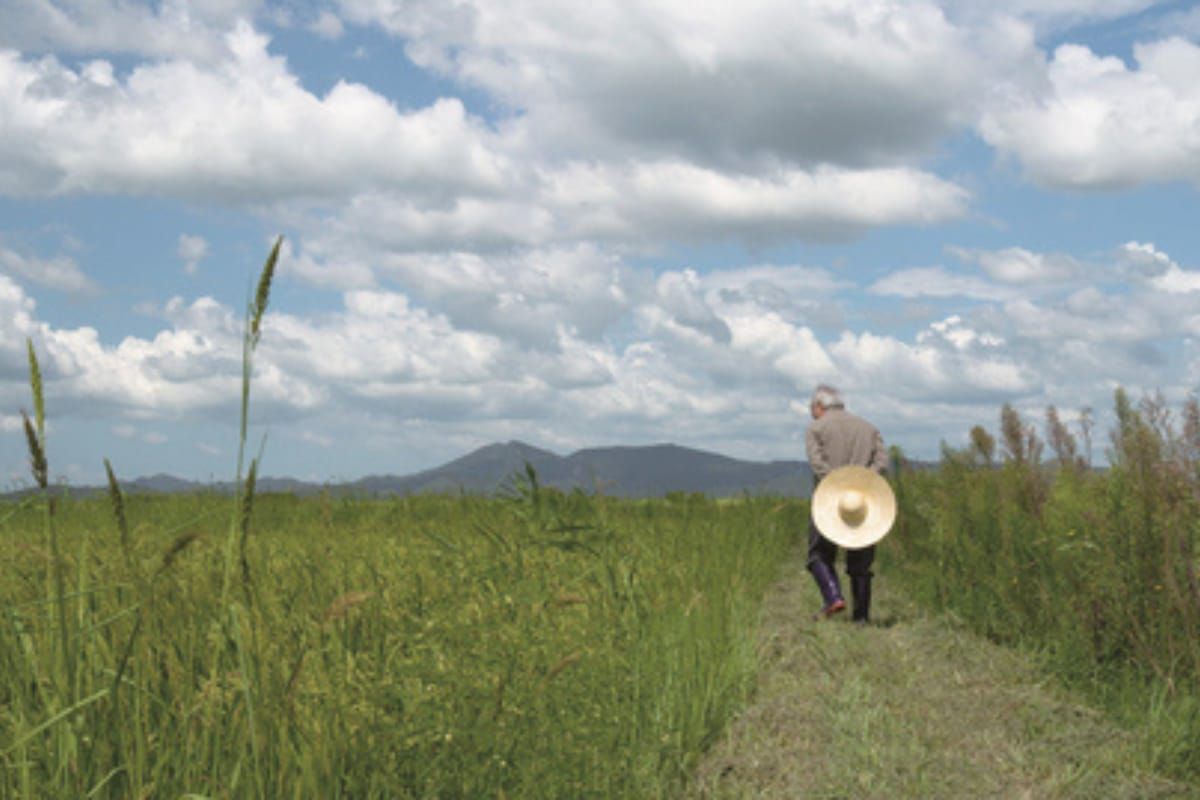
(584, 224)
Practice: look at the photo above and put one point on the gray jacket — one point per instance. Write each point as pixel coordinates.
(839, 438)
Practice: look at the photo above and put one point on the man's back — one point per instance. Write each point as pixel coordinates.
(839, 438)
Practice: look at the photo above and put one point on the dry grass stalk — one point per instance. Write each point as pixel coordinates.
(568, 599)
(181, 543)
(341, 606)
(562, 664)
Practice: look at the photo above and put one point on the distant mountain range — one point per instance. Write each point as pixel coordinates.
(651, 471)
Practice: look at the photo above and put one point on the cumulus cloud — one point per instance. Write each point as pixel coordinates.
(387, 358)
(1020, 267)
(241, 130)
(706, 357)
(59, 272)
(1156, 269)
(167, 29)
(858, 84)
(680, 200)
(937, 282)
(327, 25)
(1183, 22)
(1052, 16)
(192, 250)
(630, 205)
(947, 364)
(1101, 124)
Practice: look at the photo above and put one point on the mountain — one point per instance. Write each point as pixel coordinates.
(650, 471)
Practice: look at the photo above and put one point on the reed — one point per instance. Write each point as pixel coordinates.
(1093, 570)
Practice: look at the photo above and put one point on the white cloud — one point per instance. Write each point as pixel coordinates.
(706, 358)
(17, 321)
(792, 292)
(943, 367)
(1020, 267)
(1178, 281)
(60, 272)
(192, 249)
(327, 25)
(937, 282)
(1184, 22)
(1100, 124)
(241, 130)
(670, 199)
(1155, 268)
(1051, 16)
(810, 82)
(167, 29)
(523, 295)
(952, 329)
(632, 205)
(1143, 260)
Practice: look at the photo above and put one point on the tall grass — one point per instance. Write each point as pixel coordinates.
(537, 644)
(429, 646)
(1096, 569)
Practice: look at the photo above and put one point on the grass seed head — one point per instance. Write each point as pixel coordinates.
(37, 454)
(263, 293)
(35, 384)
(117, 498)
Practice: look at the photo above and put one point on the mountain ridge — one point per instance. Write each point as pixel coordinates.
(621, 470)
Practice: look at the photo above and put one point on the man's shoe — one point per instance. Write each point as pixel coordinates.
(831, 609)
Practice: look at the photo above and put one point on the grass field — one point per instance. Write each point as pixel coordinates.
(1095, 574)
(915, 706)
(542, 645)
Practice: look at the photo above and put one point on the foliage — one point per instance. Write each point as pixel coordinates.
(1095, 568)
(430, 646)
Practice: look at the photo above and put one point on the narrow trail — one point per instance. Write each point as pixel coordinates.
(909, 707)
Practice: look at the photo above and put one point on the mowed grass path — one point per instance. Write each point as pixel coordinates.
(911, 707)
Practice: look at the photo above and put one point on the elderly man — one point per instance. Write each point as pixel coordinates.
(837, 438)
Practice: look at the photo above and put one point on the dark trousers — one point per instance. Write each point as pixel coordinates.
(858, 562)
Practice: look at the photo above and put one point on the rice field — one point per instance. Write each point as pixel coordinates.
(534, 645)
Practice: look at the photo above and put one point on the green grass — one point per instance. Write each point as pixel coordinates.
(453, 647)
(913, 706)
(1094, 574)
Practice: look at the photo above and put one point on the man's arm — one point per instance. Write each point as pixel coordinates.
(879, 455)
(817, 459)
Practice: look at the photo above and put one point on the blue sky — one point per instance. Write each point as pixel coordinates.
(583, 224)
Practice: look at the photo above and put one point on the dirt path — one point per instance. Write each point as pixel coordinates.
(908, 708)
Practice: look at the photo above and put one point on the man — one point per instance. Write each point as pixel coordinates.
(837, 438)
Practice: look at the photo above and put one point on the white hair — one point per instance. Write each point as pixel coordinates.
(827, 396)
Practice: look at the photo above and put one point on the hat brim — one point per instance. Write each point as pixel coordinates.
(880, 507)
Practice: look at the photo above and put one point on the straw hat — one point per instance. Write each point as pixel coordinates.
(853, 507)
